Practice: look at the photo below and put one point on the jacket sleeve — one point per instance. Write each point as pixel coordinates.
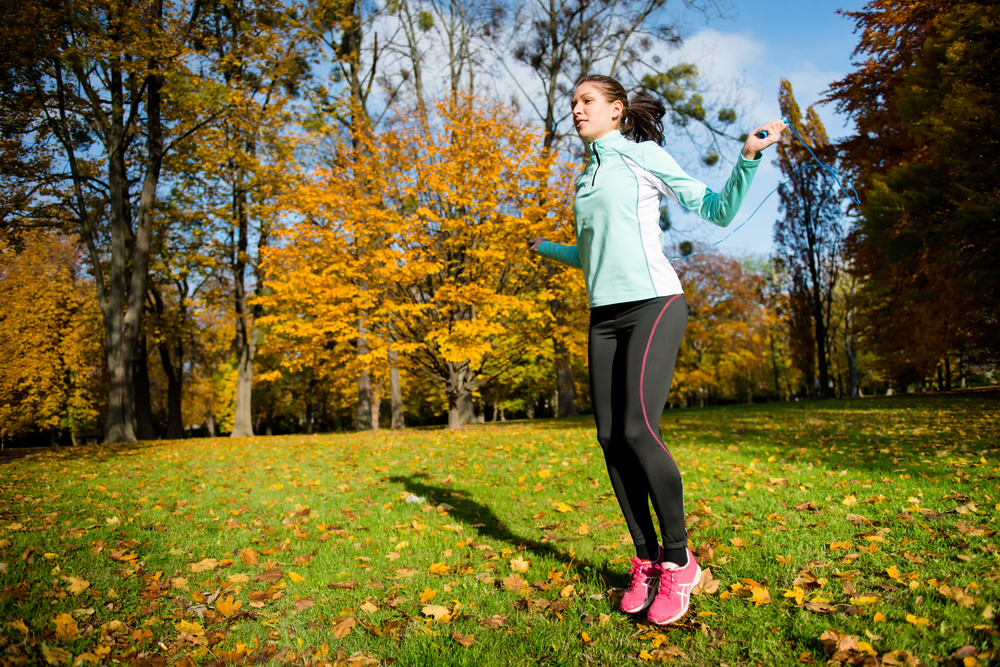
(716, 207)
(565, 254)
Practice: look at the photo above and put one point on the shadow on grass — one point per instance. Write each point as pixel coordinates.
(482, 518)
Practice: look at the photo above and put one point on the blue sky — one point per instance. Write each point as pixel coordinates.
(806, 42)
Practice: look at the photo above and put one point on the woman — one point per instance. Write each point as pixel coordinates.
(637, 318)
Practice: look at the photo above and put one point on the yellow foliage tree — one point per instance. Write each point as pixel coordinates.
(420, 234)
(51, 340)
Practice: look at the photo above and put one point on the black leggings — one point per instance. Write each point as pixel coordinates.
(633, 348)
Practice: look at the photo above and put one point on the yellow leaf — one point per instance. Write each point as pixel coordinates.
(227, 607)
(566, 591)
(878, 618)
(519, 565)
(189, 628)
(563, 507)
(864, 599)
(917, 621)
(437, 611)
(66, 628)
(585, 637)
(428, 594)
(297, 578)
(439, 568)
(867, 648)
(204, 565)
(892, 572)
(76, 585)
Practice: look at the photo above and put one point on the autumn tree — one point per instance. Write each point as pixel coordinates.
(726, 344)
(444, 273)
(922, 98)
(809, 238)
(98, 83)
(51, 378)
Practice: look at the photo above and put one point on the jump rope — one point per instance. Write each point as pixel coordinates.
(842, 182)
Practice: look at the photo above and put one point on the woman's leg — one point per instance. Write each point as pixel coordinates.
(657, 329)
(607, 364)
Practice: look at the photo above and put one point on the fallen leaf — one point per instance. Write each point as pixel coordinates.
(917, 621)
(204, 565)
(56, 656)
(227, 606)
(66, 628)
(428, 594)
(76, 585)
(297, 578)
(369, 607)
(304, 604)
(519, 565)
(342, 626)
(493, 622)
(248, 556)
(436, 610)
(513, 583)
(464, 640)
(274, 574)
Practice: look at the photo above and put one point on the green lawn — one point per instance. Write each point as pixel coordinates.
(863, 532)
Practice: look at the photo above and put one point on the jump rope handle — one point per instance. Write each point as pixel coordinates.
(763, 133)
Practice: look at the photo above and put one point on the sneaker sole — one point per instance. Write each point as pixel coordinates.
(686, 607)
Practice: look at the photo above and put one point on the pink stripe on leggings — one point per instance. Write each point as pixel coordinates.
(642, 374)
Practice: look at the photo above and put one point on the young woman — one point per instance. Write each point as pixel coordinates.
(637, 318)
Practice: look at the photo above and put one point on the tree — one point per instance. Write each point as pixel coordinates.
(50, 340)
(97, 83)
(424, 234)
(808, 240)
(925, 155)
(725, 347)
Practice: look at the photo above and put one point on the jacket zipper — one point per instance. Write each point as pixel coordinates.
(598, 156)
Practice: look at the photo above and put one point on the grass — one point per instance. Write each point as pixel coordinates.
(864, 527)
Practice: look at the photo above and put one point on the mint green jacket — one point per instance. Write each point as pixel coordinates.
(617, 210)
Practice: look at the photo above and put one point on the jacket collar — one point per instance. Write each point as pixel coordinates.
(605, 141)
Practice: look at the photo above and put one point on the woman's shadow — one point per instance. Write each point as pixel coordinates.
(483, 519)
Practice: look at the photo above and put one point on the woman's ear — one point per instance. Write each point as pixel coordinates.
(617, 109)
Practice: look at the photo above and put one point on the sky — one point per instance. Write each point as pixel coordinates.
(805, 41)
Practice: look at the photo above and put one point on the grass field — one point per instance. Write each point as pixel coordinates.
(862, 532)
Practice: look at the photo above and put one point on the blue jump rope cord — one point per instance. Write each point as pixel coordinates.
(839, 178)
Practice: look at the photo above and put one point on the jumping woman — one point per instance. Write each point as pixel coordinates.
(637, 317)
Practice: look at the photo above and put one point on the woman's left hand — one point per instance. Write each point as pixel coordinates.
(755, 144)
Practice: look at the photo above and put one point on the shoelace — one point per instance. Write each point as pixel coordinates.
(636, 571)
(668, 590)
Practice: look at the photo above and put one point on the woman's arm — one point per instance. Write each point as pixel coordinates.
(565, 254)
(716, 207)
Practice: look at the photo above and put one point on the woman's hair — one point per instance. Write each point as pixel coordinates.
(642, 118)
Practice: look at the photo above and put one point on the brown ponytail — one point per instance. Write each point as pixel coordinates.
(642, 118)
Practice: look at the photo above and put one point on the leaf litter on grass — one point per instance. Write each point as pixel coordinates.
(868, 520)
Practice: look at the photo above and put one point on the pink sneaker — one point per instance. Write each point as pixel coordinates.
(642, 589)
(674, 596)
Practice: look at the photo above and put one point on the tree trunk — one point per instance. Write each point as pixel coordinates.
(174, 369)
(246, 344)
(395, 393)
(210, 424)
(376, 405)
(144, 429)
(459, 396)
(566, 398)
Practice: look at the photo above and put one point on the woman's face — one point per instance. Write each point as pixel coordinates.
(593, 115)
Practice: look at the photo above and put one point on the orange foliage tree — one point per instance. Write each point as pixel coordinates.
(727, 344)
(420, 234)
(51, 340)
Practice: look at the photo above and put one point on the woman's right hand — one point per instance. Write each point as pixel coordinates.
(534, 243)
